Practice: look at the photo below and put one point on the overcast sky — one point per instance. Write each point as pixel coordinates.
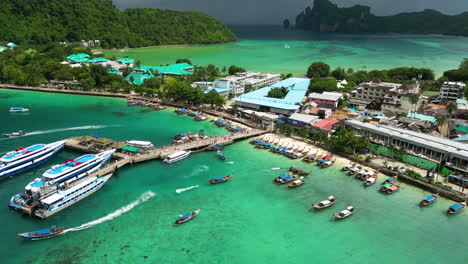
(274, 11)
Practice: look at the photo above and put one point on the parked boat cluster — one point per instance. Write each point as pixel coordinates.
(145, 104)
(196, 115)
(182, 138)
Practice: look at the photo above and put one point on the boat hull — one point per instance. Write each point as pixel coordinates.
(194, 214)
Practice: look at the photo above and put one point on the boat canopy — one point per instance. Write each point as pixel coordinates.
(430, 198)
(387, 185)
(139, 143)
(186, 216)
(456, 207)
(175, 155)
(52, 199)
(390, 179)
(218, 178)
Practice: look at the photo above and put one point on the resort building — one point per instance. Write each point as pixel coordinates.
(437, 149)
(326, 126)
(258, 100)
(203, 85)
(300, 120)
(236, 84)
(78, 58)
(452, 91)
(384, 96)
(325, 99)
(139, 74)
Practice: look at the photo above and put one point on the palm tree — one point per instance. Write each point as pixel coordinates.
(442, 122)
(451, 107)
(414, 99)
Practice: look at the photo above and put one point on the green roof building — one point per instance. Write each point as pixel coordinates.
(143, 72)
(126, 60)
(78, 58)
(97, 60)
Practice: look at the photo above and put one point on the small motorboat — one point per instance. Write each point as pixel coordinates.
(15, 134)
(200, 117)
(326, 164)
(217, 180)
(390, 180)
(361, 175)
(132, 103)
(18, 109)
(220, 123)
(298, 171)
(192, 113)
(297, 183)
(325, 204)
(220, 155)
(159, 107)
(284, 178)
(429, 200)
(456, 208)
(369, 181)
(354, 170)
(187, 217)
(348, 167)
(181, 111)
(389, 188)
(343, 214)
(215, 147)
(310, 158)
(42, 233)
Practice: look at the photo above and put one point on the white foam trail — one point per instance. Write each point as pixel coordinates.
(275, 168)
(143, 198)
(198, 170)
(230, 162)
(40, 132)
(186, 189)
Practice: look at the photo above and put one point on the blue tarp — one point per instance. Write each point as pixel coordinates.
(186, 216)
(390, 179)
(287, 178)
(456, 207)
(218, 178)
(96, 136)
(282, 176)
(430, 198)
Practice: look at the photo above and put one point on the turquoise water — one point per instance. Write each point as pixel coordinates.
(273, 49)
(247, 220)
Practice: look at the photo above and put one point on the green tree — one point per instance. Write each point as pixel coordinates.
(278, 92)
(413, 99)
(318, 69)
(286, 23)
(339, 74)
(344, 140)
(184, 61)
(451, 107)
(235, 69)
(323, 85)
(464, 64)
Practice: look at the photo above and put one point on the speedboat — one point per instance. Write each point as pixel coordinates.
(456, 208)
(389, 188)
(187, 217)
(15, 134)
(18, 109)
(348, 167)
(343, 214)
(217, 180)
(42, 233)
(174, 157)
(297, 183)
(429, 199)
(325, 204)
(25, 158)
(62, 199)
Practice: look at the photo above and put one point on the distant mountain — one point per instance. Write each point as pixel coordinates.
(328, 17)
(44, 21)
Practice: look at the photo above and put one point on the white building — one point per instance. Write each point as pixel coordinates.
(325, 99)
(452, 91)
(389, 96)
(237, 83)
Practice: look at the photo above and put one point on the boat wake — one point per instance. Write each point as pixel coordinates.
(186, 189)
(230, 162)
(198, 170)
(40, 132)
(143, 198)
(275, 168)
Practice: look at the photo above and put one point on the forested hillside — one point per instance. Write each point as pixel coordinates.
(44, 21)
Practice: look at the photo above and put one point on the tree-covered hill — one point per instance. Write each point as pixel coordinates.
(44, 21)
(328, 17)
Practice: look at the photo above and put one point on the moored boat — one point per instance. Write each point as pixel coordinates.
(187, 217)
(327, 164)
(174, 157)
(159, 107)
(42, 233)
(456, 208)
(25, 158)
(216, 147)
(297, 183)
(345, 213)
(325, 204)
(389, 188)
(390, 180)
(310, 158)
(429, 199)
(216, 180)
(15, 134)
(284, 178)
(369, 181)
(220, 123)
(348, 167)
(354, 170)
(18, 109)
(298, 171)
(192, 113)
(181, 111)
(200, 117)
(220, 155)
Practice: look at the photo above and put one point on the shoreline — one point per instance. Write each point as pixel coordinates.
(167, 46)
(62, 91)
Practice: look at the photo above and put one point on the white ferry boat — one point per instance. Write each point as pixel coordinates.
(18, 109)
(25, 158)
(174, 157)
(61, 175)
(140, 144)
(72, 195)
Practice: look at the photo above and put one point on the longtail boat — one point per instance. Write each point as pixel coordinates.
(216, 180)
(456, 208)
(325, 204)
(42, 233)
(187, 217)
(429, 200)
(343, 214)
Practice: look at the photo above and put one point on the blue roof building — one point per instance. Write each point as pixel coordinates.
(258, 100)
